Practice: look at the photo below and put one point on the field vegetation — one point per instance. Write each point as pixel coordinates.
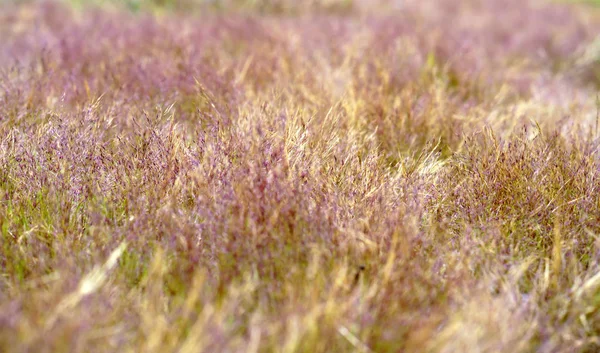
(299, 176)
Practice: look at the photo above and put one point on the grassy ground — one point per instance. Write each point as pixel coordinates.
(281, 176)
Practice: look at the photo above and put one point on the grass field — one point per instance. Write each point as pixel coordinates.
(299, 176)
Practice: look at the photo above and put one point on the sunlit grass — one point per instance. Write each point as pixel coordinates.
(282, 176)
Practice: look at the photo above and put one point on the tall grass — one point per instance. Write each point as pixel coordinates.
(287, 176)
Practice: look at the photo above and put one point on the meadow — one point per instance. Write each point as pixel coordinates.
(299, 176)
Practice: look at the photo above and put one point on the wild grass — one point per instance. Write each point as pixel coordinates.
(281, 176)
